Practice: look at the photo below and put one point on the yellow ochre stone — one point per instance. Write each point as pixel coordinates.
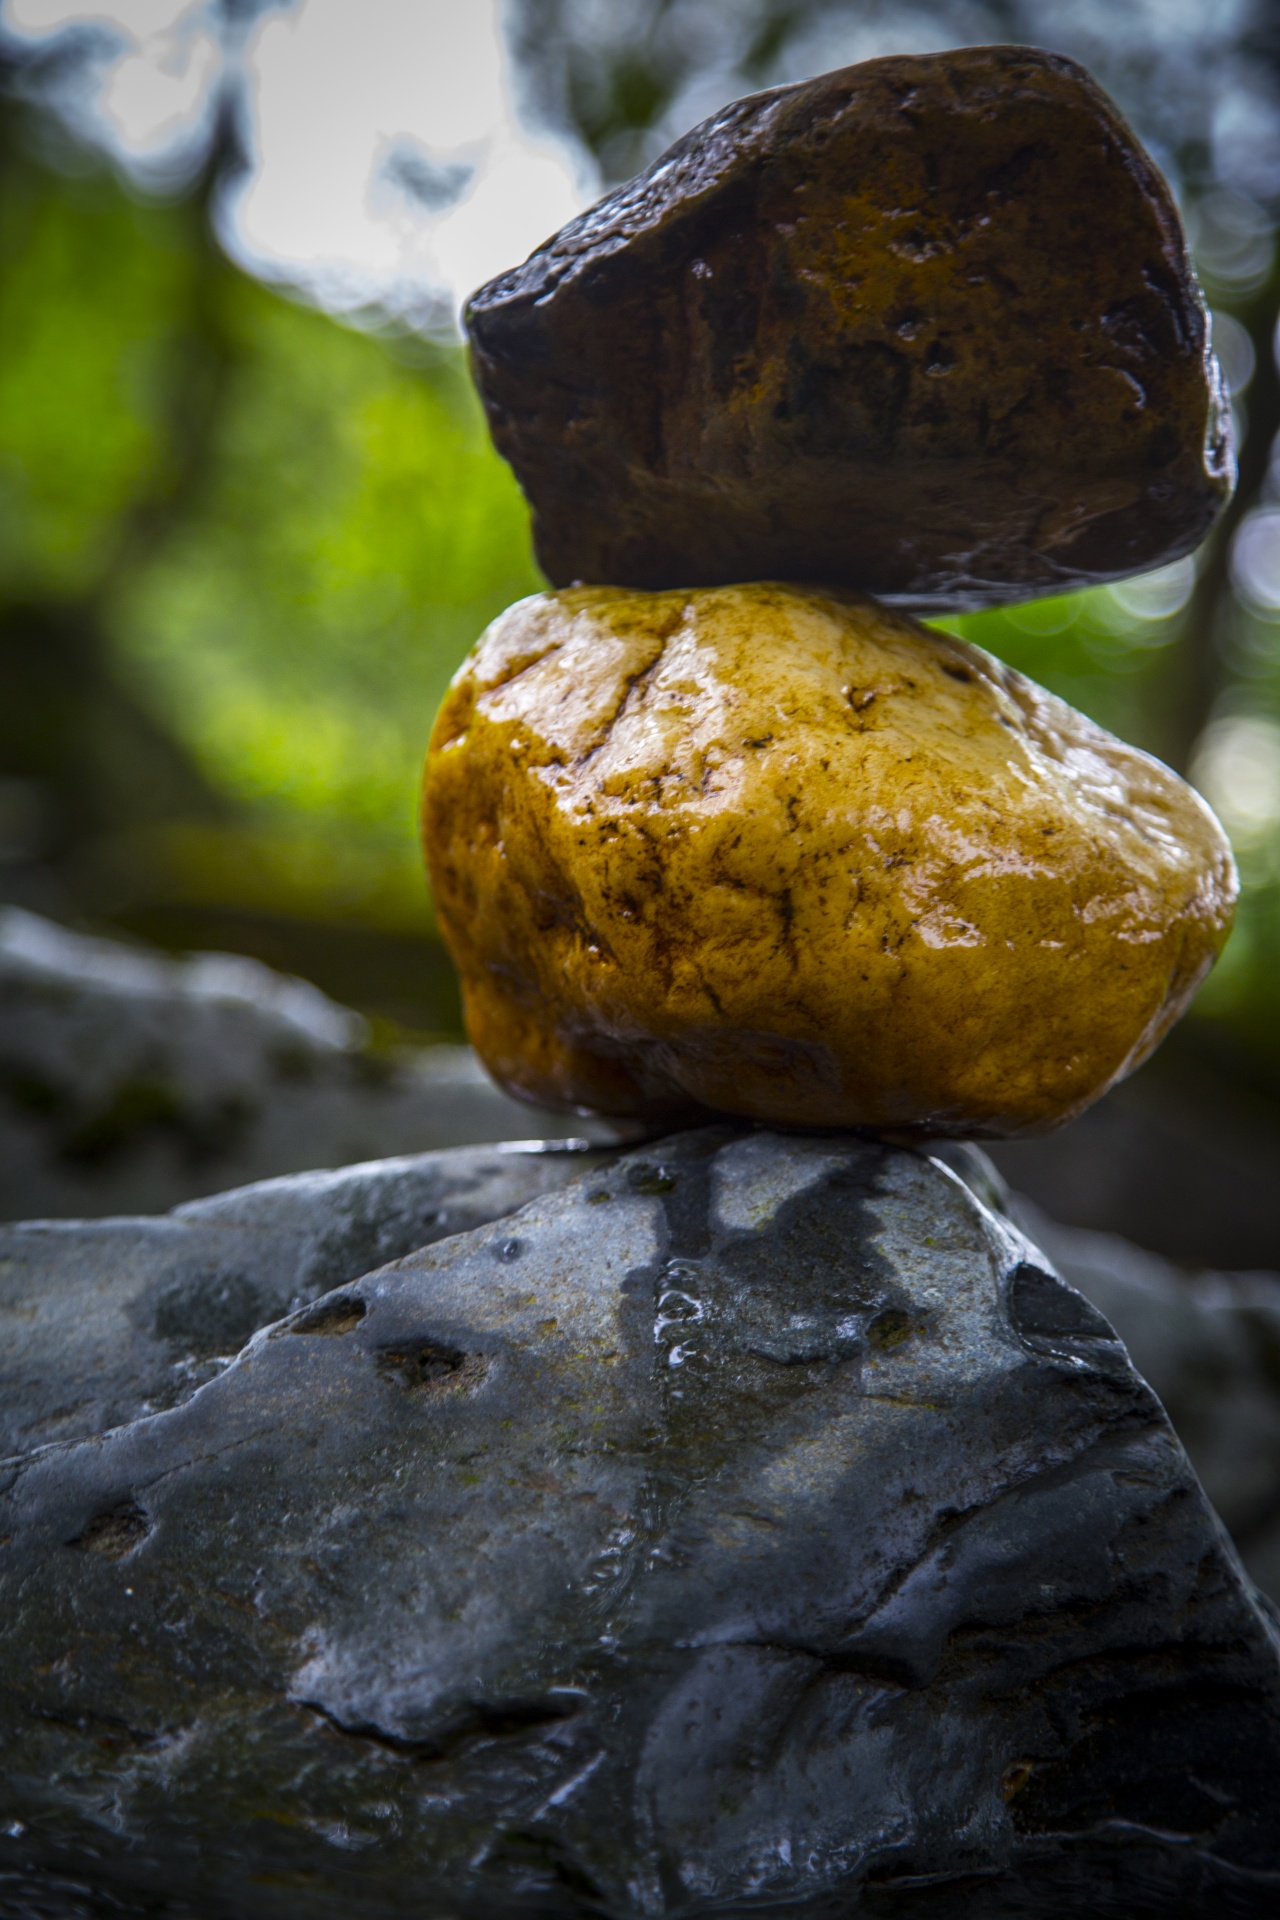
(784, 853)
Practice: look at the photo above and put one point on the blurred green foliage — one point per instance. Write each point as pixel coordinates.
(355, 535)
(89, 301)
(286, 575)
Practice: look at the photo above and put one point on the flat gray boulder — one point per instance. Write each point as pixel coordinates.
(755, 1525)
(105, 1321)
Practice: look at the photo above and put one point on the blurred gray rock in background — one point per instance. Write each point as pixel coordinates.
(755, 1521)
(1178, 1159)
(1209, 1343)
(130, 1081)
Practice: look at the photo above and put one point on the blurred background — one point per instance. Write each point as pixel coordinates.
(250, 520)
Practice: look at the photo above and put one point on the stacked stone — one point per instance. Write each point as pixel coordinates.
(924, 329)
(754, 1522)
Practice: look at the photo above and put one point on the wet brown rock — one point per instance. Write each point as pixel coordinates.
(787, 854)
(925, 327)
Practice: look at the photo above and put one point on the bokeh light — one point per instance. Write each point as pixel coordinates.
(1255, 562)
(1156, 596)
(1237, 769)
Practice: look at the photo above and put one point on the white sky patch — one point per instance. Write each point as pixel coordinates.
(390, 166)
(1158, 595)
(1255, 561)
(152, 98)
(136, 18)
(389, 152)
(157, 96)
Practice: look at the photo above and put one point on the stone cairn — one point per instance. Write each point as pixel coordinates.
(924, 329)
(751, 1522)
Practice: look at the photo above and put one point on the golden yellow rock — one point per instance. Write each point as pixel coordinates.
(787, 854)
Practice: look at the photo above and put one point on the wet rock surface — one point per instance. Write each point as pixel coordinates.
(857, 332)
(1209, 1344)
(105, 1321)
(130, 1082)
(753, 1525)
(788, 855)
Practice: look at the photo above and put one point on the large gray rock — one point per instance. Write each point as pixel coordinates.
(104, 1321)
(1177, 1159)
(755, 1526)
(1209, 1344)
(130, 1082)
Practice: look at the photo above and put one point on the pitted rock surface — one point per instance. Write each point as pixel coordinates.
(756, 1525)
(861, 332)
(105, 1321)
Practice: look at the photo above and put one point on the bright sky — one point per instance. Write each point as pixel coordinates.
(390, 163)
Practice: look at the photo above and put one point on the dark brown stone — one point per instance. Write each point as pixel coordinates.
(926, 327)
